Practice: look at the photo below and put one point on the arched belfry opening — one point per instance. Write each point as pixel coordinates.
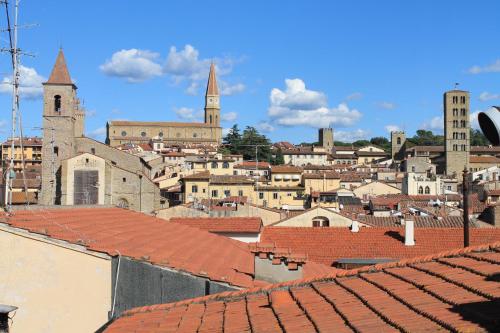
(57, 103)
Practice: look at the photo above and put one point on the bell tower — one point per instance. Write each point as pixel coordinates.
(212, 100)
(62, 122)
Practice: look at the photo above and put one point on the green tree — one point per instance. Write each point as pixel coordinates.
(278, 158)
(250, 138)
(232, 140)
(477, 138)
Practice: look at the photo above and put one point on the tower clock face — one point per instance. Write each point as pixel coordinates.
(210, 100)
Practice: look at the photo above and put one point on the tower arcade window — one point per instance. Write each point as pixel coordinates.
(399, 141)
(462, 99)
(420, 190)
(57, 103)
(427, 190)
(210, 119)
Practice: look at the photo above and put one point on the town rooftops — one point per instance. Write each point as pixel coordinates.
(484, 159)
(322, 175)
(222, 224)
(327, 245)
(155, 124)
(455, 290)
(27, 142)
(252, 165)
(285, 169)
(131, 234)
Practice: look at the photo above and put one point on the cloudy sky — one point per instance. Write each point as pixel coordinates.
(287, 67)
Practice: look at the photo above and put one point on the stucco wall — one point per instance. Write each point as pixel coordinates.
(58, 288)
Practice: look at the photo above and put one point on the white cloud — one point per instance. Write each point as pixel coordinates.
(227, 89)
(265, 127)
(494, 67)
(354, 96)
(134, 65)
(30, 83)
(188, 113)
(386, 105)
(392, 128)
(435, 124)
(299, 106)
(192, 89)
(229, 116)
(486, 96)
(474, 123)
(351, 136)
(98, 133)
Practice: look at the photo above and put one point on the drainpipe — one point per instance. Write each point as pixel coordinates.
(4, 317)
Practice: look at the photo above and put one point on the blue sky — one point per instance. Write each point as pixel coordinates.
(364, 67)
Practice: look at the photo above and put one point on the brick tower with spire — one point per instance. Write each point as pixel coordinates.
(212, 100)
(63, 121)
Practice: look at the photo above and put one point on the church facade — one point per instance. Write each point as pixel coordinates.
(77, 170)
(208, 133)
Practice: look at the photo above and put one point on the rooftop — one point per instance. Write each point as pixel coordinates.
(145, 238)
(222, 224)
(449, 291)
(285, 169)
(327, 245)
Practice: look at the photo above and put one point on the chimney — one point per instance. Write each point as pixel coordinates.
(355, 226)
(4, 317)
(409, 233)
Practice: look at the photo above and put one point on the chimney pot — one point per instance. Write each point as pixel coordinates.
(409, 233)
(355, 226)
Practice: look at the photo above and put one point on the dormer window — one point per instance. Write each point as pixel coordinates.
(57, 103)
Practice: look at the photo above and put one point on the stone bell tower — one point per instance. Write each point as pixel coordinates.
(62, 122)
(212, 100)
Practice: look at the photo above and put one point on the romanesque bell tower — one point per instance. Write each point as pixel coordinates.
(62, 122)
(212, 100)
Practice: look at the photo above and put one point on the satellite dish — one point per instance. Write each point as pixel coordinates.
(489, 121)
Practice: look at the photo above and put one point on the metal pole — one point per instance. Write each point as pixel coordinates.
(257, 173)
(465, 189)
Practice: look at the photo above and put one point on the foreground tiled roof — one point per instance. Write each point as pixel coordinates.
(328, 245)
(146, 238)
(222, 224)
(451, 291)
(420, 221)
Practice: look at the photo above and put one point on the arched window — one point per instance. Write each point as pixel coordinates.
(225, 165)
(210, 119)
(420, 190)
(399, 141)
(216, 119)
(427, 190)
(57, 103)
(214, 165)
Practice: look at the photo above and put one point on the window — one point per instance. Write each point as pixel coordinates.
(399, 141)
(462, 112)
(124, 180)
(455, 147)
(455, 99)
(56, 151)
(160, 134)
(455, 112)
(455, 123)
(449, 188)
(325, 223)
(210, 119)
(240, 193)
(463, 123)
(412, 168)
(57, 103)
(427, 190)
(124, 133)
(195, 135)
(261, 195)
(227, 193)
(275, 195)
(214, 165)
(462, 99)
(143, 134)
(87, 161)
(225, 165)
(194, 189)
(420, 190)
(316, 223)
(92, 151)
(215, 193)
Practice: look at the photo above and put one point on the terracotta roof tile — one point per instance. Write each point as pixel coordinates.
(143, 237)
(60, 73)
(434, 293)
(222, 224)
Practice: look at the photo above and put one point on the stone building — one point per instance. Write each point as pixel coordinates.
(326, 138)
(398, 144)
(456, 131)
(79, 170)
(208, 132)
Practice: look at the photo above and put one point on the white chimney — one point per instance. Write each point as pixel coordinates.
(409, 233)
(355, 226)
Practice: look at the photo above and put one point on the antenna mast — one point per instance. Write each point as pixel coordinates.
(10, 173)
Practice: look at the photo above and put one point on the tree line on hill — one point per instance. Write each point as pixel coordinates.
(244, 143)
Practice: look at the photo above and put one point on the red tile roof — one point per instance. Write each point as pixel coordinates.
(455, 290)
(484, 159)
(139, 236)
(250, 165)
(60, 73)
(327, 245)
(285, 169)
(222, 224)
(420, 221)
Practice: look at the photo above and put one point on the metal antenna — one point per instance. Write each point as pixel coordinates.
(15, 53)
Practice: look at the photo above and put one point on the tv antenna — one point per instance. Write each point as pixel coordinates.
(15, 53)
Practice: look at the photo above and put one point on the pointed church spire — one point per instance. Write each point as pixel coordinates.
(60, 73)
(212, 88)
